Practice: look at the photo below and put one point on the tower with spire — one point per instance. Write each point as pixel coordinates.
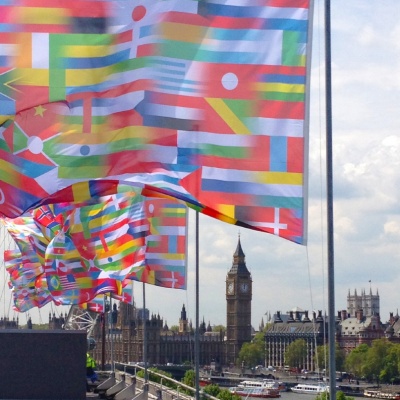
(183, 322)
(238, 299)
(367, 302)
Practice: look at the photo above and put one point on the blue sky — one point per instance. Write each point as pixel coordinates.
(366, 166)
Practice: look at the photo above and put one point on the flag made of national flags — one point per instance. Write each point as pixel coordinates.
(47, 221)
(99, 246)
(130, 236)
(72, 248)
(26, 235)
(96, 304)
(167, 243)
(33, 295)
(125, 293)
(68, 278)
(22, 271)
(216, 117)
(27, 279)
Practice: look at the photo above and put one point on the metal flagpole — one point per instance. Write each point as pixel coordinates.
(197, 334)
(103, 335)
(111, 335)
(146, 377)
(331, 276)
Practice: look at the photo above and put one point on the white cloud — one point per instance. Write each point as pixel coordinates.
(392, 228)
(367, 36)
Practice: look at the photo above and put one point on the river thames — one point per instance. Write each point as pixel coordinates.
(296, 396)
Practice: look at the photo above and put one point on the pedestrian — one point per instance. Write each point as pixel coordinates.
(90, 371)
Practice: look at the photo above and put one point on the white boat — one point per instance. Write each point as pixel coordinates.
(266, 388)
(310, 388)
(378, 394)
(270, 383)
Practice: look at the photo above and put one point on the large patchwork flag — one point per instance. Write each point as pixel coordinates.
(125, 236)
(31, 285)
(125, 295)
(68, 279)
(71, 253)
(205, 101)
(27, 282)
(98, 246)
(26, 273)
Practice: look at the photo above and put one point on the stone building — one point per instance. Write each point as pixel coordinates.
(361, 324)
(360, 329)
(368, 303)
(238, 305)
(285, 329)
(392, 331)
(124, 341)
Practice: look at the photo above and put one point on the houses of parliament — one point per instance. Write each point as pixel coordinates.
(164, 346)
(124, 341)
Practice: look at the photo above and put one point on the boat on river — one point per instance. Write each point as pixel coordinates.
(310, 388)
(379, 394)
(266, 389)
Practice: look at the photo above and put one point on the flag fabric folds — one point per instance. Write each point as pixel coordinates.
(96, 305)
(99, 247)
(124, 236)
(125, 295)
(129, 236)
(125, 292)
(206, 101)
(27, 280)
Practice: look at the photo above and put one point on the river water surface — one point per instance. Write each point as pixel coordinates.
(296, 396)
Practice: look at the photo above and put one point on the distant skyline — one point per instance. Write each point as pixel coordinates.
(155, 296)
(366, 165)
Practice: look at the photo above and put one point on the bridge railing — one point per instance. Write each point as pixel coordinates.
(158, 389)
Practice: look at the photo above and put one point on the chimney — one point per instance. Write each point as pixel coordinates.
(319, 318)
(344, 315)
(278, 317)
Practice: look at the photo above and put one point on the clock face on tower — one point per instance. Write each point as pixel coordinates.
(230, 287)
(244, 287)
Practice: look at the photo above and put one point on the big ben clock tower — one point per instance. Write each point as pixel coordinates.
(238, 305)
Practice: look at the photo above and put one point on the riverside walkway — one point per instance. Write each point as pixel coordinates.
(121, 385)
